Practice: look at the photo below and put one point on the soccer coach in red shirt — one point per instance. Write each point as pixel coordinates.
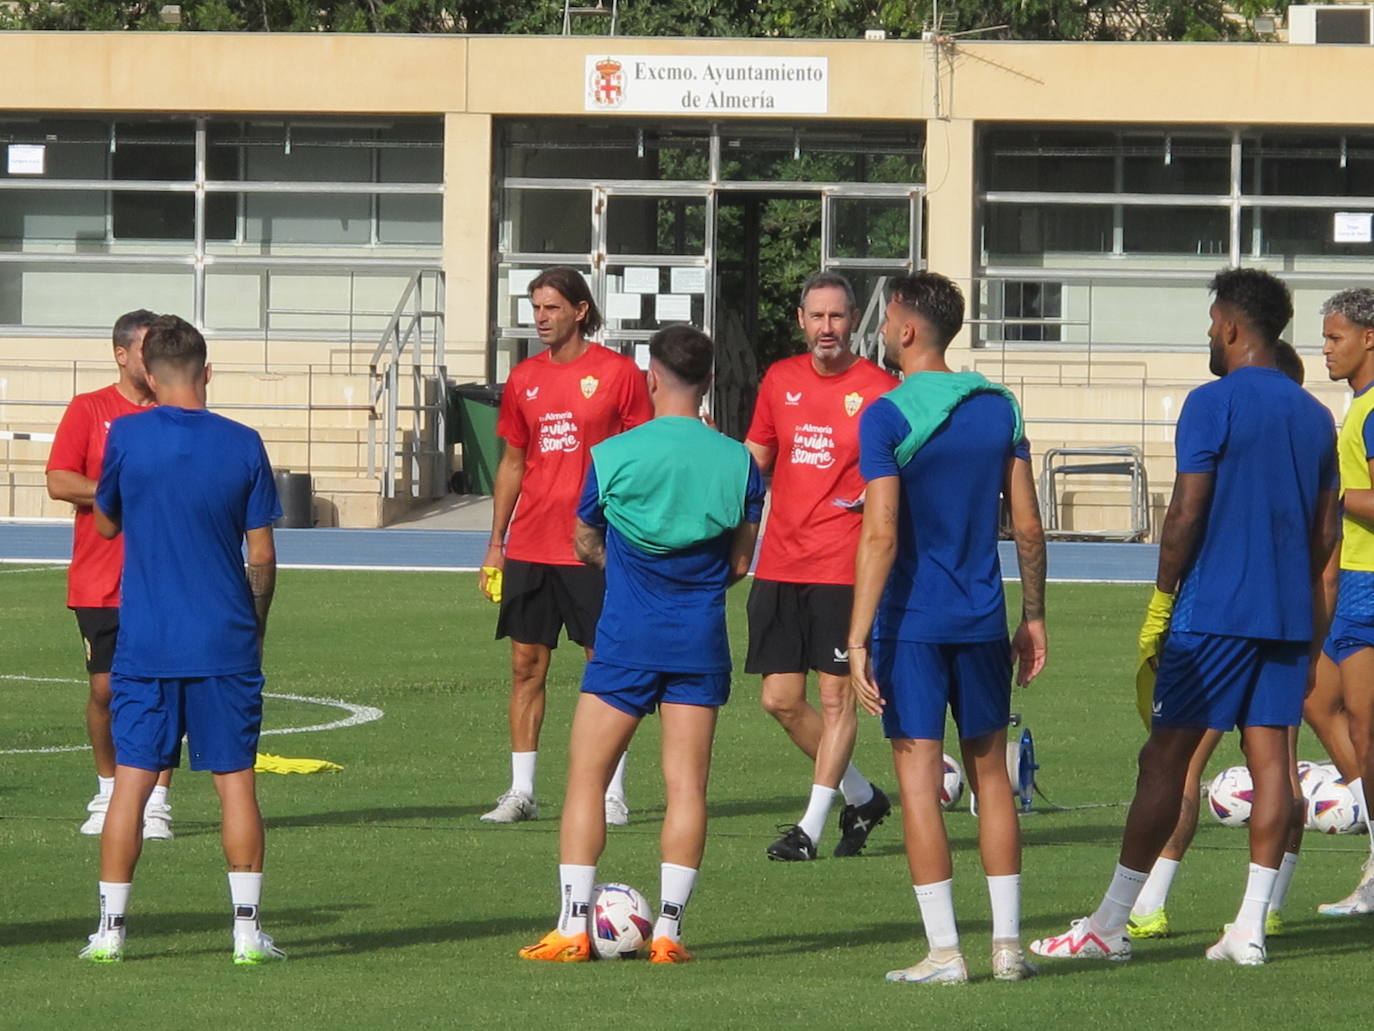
(93, 577)
(556, 405)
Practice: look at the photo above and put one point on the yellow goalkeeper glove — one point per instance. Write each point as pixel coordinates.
(493, 588)
(1152, 631)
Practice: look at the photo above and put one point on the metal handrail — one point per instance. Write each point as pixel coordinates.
(405, 350)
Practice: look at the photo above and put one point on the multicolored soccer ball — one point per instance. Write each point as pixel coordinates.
(1311, 774)
(622, 922)
(1229, 796)
(1333, 809)
(952, 784)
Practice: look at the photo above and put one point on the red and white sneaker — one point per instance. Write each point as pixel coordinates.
(1080, 941)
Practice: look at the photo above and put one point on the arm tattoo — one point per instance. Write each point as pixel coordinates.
(589, 544)
(262, 581)
(1030, 557)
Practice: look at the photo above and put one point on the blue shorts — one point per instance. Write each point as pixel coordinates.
(220, 717)
(640, 691)
(1217, 682)
(1345, 638)
(918, 681)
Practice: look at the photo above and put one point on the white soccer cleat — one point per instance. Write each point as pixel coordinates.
(1080, 941)
(157, 821)
(1234, 948)
(617, 811)
(255, 947)
(105, 946)
(1009, 964)
(931, 971)
(97, 807)
(1360, 901)
(512, 807)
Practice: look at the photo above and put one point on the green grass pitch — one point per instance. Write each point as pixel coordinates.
(398, 908)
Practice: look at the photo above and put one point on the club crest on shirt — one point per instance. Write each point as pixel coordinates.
(852, 403)
(791, 398)
(589, 385)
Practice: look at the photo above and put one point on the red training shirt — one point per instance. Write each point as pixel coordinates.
(556, 412)
(812, 421)
(79, 447)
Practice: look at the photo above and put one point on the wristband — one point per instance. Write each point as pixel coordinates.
(863, 646)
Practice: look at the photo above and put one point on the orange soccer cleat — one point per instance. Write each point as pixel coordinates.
(665, 950)
(556, 947)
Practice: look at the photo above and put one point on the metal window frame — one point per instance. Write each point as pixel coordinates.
(197, 255)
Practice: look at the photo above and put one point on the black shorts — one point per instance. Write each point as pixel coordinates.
(798, 627)
(99, 628)
(538, 600)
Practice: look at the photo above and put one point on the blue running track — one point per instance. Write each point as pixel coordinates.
(463, 550)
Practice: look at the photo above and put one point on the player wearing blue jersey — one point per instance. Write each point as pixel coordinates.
(186, 487)
(939, 453)
(670, 509)
(1148, 916)
(1347, 660)
(1243, 548)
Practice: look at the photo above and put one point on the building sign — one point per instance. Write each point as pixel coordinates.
(1351, 227)
(666, 84)
(25, 159)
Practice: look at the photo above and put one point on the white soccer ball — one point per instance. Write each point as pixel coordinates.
(1229, 796)
(622, 922)
(1312, 775)
(1332, 809)
(952, 784)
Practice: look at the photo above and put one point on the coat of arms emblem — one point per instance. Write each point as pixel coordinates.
(589, 385)
(607, 85)
(852, 403)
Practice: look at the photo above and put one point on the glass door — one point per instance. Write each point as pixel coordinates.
(869, 234)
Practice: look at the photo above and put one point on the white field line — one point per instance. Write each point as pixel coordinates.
(357, 715)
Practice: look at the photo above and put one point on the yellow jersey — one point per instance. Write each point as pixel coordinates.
(1354, 449)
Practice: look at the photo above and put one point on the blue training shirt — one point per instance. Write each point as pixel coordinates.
(185, 484)
(1271, 447)
(946, 582)
(666, 612)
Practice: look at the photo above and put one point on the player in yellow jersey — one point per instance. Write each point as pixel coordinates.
(1348, 655)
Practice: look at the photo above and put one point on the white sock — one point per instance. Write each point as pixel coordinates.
(114, 903)
(676, 886)
(522, 766)
(106, 786)
(1287, 867)
(1155, 893)
(158, 797)
(245, 895)
(937, 913)
(1005, 893)
(855, 787)
(617, 785)
(1259, 889)
(1115, 907)
(817, 812)
(574, 898)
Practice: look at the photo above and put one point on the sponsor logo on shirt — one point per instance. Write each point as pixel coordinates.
(531, 393)
(558, 431)
(813, 445)
(852, 403)
(589, 385)
(792, 399)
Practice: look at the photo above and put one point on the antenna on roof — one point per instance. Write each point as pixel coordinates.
(945, 44)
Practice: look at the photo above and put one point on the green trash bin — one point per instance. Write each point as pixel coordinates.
(472, 419)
